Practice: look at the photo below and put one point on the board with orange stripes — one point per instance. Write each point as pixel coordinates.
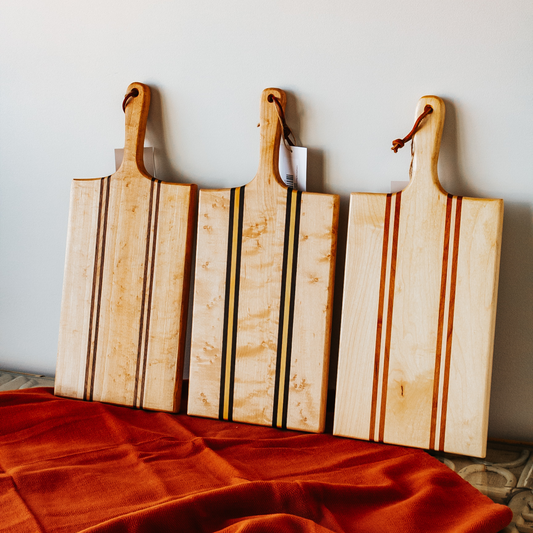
(419, 309)
(263, 297)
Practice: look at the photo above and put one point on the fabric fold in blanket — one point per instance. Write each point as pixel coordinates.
(71, 466)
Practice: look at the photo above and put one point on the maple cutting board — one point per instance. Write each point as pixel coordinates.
(419, 309)
(263, 296)
(126, 282)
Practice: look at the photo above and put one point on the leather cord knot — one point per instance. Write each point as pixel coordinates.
(400, 143)
(397, 144)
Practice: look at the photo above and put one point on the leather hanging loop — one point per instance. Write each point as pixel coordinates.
(132, 94)
(286, 130)
(399, 143)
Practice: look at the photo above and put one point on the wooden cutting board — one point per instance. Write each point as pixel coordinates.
(419, 309)
(263, 296)
(126, 282)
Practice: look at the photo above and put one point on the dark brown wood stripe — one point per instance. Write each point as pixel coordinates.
(88, 365)
(227, 296)
(100, 276)
(231, 304)
(440, 324)
(296, 231)
(286, 316)
(150, 292)
(379, 327)
(449, 336)
(136, 401)
(388, 332)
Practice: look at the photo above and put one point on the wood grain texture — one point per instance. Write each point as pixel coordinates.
(419, 310)
(125, 289)
(263, 297)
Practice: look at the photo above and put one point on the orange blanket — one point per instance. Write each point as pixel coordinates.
(70, 466)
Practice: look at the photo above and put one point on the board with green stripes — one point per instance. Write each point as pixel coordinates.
(263, 297)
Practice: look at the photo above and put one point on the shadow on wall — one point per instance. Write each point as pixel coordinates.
(155, 135)
(315, 183)
(511, 408)
(511, 405)
(339, 286)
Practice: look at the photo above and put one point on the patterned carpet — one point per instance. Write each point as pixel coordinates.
(18, 380)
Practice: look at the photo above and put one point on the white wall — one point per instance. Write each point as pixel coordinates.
(354, 71)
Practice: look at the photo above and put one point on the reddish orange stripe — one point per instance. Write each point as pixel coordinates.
(380, 317)
(440, 327)
(388, 332)
(453, 286)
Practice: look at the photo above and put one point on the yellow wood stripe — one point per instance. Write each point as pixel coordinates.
(286, 314)
(231, 303)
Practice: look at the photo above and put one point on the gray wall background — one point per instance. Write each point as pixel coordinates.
(353, 71)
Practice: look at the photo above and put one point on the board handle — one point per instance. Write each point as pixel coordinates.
(426, 144)
(136, 109)
(270, 136)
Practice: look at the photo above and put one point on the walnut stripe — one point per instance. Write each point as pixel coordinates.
(150, 290)
(231, 307)
(96, 294)
(286, 318)
(136, 401)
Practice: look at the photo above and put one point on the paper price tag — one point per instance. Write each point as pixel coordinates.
(293, 166)
(148, 156)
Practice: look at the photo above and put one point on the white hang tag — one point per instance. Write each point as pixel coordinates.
(148, 156)
(293, 166)
(397, 186)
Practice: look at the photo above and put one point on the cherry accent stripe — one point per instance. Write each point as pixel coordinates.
(379, 327)
(96, 295)
(444, 338)
(388, 333)
(449, 335)
(440, 327)
(231, 304)
(387, 271)
(286, 313)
